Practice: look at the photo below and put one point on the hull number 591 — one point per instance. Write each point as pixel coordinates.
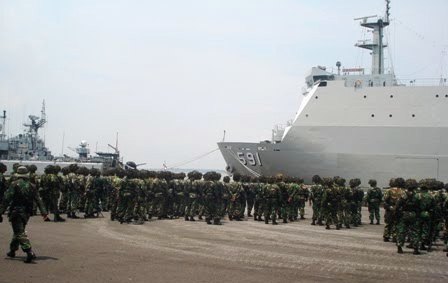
(248, 158)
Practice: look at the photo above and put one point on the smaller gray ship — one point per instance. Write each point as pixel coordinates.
(27, 146)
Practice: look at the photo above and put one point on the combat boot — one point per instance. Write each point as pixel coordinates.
(217, 221)
(74, 216)
(58, 218)
(371, 222)
(416, 252)
(386, 239)
(11, 254)
(266, 221)
(314, 222)
(320, 223)
(30, 256)
(186, 218)
(208, 220)
(327, 227)
(274, 222)
(284, 220)
(192, 218)
(377, 222)
(302, 217)
(400, 250)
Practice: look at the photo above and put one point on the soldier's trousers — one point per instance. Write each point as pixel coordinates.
(18, 223)
(317, 215)
(390, 227)
(73, 201)
(374, 210)
(258, 207)
(250, 205)
(191, 207)
(270, 209)
(408, 229)
(301, 207)
(331, 216)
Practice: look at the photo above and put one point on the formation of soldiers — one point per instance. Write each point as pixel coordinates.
(414, 212)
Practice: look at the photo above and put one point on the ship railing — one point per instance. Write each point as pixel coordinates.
(423, 81)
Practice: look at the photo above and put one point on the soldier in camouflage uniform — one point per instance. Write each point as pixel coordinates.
(225, 196)
(294, 199)
(316, 195)
(114, 197)
(19, 198)
(344, 212)
(408, 208)
(50, 187)
(259, 200)
(373, 199)
(64, 190)
(93, 191)
(3, 184)
(237, 200)
(356, 201)
(271, 197)
(426, 216)
(330, 203)
(73, 187)
(303, 197)
(391, 197)
(191, 195)
(249, 190)
(284, 198)
(212, 195)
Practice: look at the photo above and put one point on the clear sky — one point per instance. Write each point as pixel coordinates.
(170, 76)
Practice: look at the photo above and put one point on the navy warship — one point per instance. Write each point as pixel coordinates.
(355, 124)
(28, 148)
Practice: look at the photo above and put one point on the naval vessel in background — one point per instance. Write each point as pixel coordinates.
(28, 148)
(355, 125)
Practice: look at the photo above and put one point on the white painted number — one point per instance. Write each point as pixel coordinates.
(250, 158)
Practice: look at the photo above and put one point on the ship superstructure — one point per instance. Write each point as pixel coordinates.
(355, 125)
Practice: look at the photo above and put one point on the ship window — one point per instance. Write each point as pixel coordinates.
(390, 115)
(446, 95)
(306, 115)
(373, 115)
(413, 115)
(323, 78)
(317, 97)
(365, 96)
(391, 96)
(322, 84)
(437, 95)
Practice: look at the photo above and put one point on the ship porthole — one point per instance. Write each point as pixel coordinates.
(373, 115)
(306, 115)
(365, 96)
(317, 97)
(390, 115)
(446, 95)
(413, 115)
(437, 95)
(391, 96)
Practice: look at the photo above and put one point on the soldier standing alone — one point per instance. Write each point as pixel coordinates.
(19, 198)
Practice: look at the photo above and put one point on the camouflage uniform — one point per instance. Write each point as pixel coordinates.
(330, 204)
(259, 202)
(271, 200)
(373, 199)
(391, 198)
(316, 195)
(236, 208)
(191, 195)
(19, 198)
(408, 209)
(426, 217)
(356, 205)
(50, 187)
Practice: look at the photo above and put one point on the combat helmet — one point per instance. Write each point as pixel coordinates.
(22, 172)
(372, 183)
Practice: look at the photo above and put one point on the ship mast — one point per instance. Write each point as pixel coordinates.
(376, 45)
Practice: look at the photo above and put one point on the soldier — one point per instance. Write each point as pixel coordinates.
(356, 202)
(259, 202)
(19, 199)
(249, 190)
(330, 203)
(303, 196)
(192, 195)
(317, 191)
(345, 216)
(3, 184)
(225, 196)
(391, 197)
(93, 192)
(115, 194)
(425, 220)
(50, 186)
(212, 197)
(271, 200)
(284, 198)
(294, 199)
(374, 198)
(408, 207)
(237, 200)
